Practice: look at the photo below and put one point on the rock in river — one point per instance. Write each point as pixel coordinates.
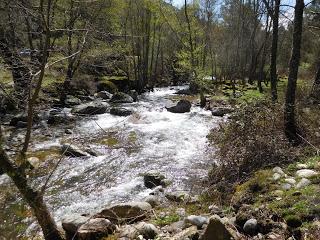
(92, 108)
(121, 97)
(221, 111)
(73, 151)
(152, 180)
(122, 112)
(126, 212)
(104, 95)
(182, 106)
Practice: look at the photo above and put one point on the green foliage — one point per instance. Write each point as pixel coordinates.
(166, 220)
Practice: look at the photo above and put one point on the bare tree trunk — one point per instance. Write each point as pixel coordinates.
(315, 92)
(291, 129)
(33, 198)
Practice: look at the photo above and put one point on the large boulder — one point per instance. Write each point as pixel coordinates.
(91, 108)
(182, 106)
(152, 180)
(121, 97)
(122, 112)
(221, 111)
(126, 212)
(57, 117)
(73, 151)
(217, 229)
(72, 223)
(104, 95)
(96, 228)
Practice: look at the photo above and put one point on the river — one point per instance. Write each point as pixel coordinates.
(151, 140)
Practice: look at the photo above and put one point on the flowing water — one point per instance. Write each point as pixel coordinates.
(151, 140)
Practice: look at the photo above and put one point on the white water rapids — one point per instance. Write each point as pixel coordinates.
(174, 145)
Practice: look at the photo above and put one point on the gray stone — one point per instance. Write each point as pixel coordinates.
(56, 116)
(72, 223)
(147, 230)
(286, 186)
(92, 108)
(122, 112)
(34, 161)
(182, 106)
(291, 181)
(302, 166)
(278, 170)
(276, 176)
(72, 101)
(104, 95)
(221, 111)
(121, 97)
(304, 182)
(152, 200)
(306, 173)
(217, 229)
(188, 233)
(126, 212)
(95, 229)
(198, 221)
(73, 151)
(251, 226)
(177, 196)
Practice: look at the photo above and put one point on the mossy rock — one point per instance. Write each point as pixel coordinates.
(293, 221)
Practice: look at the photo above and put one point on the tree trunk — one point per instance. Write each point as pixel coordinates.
(33, 198)
(315, 92)
(274, 50)
(21, 74)
(291, 129)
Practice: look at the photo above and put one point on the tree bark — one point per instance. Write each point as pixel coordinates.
(291, 129)
(274, 50)
(33, 198)
(315, 92)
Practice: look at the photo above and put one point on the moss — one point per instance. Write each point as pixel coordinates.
(110, 141)
(166, 220)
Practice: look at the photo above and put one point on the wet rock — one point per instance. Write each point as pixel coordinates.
(91, 108)
(72, 101)
(68, 131)
(104, 95)
(95, 229)
(251, 226)
(217, 229)
(121, 97)
(221, 111)
(126, 212)
(152, 200)
(72, 223)
(306, 173)
(73, 151)
(198, 221)
(184, 92)
(134, 95)
(122, 112)
(177, 196)
(152, 180)
(188, 233)
(304, 182)
(21, 124)
(22, 117)
(182, 106)
(58, 117)
(34, 162)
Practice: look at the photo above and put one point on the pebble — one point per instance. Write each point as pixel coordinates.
(276, 176)
(306, 173)
(302, 166)
(303, 183)
(278, 170)
(286, 186)
(291, 181)
(251, 226)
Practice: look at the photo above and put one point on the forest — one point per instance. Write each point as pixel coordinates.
(159, 119)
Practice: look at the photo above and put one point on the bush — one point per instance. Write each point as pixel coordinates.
(253, 139)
